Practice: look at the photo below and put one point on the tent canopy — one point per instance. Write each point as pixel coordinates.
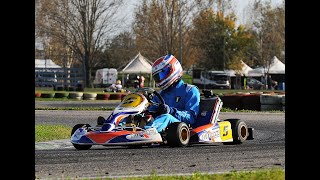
(244, 70)
(45, 63)
(138, 65)
(276, 67)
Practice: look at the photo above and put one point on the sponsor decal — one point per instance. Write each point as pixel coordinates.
(137, 136)
(145, 135)
(142, 135)
(215, 133)
(204, 136)
(151, 131)
(210, 135)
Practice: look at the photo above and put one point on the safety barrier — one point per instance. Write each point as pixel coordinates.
(258, 101)
(254, 101)
(271, 102)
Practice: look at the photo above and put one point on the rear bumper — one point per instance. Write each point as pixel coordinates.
(250, 130)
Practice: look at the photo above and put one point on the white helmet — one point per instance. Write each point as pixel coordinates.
(166, 70)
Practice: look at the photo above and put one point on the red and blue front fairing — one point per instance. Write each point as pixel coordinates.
(114, 130)
(116, 137)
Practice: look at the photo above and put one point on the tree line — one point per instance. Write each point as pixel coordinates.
(200, 33)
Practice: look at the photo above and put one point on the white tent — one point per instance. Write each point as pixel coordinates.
(276, 67)
(138, 65)
(244, 70)
(45, 63)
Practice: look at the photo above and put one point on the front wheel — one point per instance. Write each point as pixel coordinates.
(178, 134)
(240, 131)
(80, 146)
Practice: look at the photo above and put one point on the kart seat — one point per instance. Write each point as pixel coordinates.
(209, 111)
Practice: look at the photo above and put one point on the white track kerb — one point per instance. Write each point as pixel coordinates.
(55, 144)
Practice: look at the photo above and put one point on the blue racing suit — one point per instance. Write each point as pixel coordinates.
(184, 102)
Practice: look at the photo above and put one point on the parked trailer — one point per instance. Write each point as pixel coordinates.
(105, 77)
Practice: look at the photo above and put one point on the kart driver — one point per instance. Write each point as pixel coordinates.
(182, 100)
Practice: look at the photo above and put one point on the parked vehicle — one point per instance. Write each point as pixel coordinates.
(105, 77)
(255, 84)
(211, 79)
(45, 79)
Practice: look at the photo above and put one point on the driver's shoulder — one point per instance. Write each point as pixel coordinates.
(191, 88)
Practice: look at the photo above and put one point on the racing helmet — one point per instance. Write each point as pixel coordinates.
(166, 70)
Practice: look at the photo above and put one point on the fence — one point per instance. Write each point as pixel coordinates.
(51, 77)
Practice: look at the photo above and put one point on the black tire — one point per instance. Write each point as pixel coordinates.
(79, 146)
(100, 121)
(240, 131)
(178, 134)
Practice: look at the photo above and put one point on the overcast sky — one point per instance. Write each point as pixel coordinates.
(242, 4)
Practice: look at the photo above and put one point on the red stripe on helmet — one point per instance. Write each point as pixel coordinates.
(158, 61)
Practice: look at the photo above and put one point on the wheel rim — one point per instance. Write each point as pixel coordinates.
(243, 131)
(184, 134)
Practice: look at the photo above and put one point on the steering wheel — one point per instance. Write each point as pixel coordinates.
(142, 119)
(149, 93)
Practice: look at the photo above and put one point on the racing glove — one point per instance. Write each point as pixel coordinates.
(164, 109)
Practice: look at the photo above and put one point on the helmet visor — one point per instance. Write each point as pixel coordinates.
(162, 74)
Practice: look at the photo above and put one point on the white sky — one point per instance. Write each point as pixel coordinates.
(242, 4)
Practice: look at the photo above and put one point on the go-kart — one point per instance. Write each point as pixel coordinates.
(126, 125)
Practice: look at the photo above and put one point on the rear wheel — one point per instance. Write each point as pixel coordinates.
(178, 134)
(80, 146)
(239, 131)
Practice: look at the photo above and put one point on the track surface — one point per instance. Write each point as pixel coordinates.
(265, 151)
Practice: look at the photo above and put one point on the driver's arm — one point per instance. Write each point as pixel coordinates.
(192, 107)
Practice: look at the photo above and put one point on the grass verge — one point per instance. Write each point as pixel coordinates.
(260, 174)
(51, 132)
(274, 173)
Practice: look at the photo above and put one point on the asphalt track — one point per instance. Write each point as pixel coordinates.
(58, 159)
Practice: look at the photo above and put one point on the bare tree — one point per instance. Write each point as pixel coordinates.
(119, 51)
(80, 26)
(223, 6)
(161, 27)
(269, 26)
